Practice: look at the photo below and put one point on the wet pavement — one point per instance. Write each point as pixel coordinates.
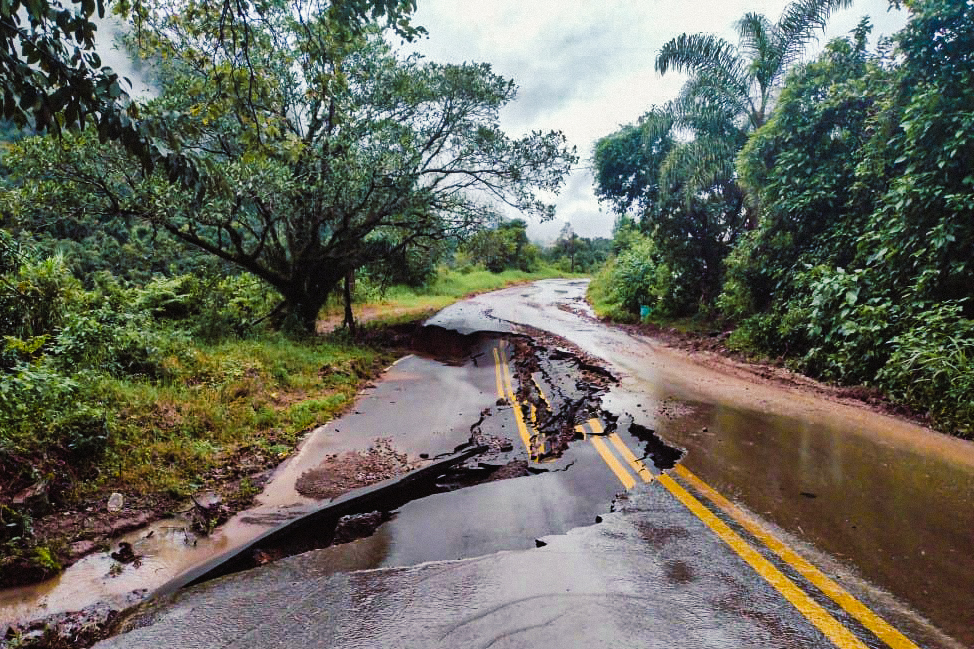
(635, 580)
(843, 527)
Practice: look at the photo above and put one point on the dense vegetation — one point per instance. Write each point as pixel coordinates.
(859, 196)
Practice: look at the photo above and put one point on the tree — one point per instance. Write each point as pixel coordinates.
(731, 88)
(922, 148)
(335, 155)
(577, 254)
(567, 244)
(860, 269)
(627, 163)
(693, 225)
(53, 77)
(503, 247)
(802, 166)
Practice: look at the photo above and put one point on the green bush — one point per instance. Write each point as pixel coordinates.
(932, 366)
(640, 276)
(35, 296)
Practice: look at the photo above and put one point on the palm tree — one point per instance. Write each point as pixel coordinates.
(732, 88)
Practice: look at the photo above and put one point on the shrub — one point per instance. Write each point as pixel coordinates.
(932, 365)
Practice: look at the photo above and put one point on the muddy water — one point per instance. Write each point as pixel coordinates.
(891, 500)
(166, 548)
(903, 518)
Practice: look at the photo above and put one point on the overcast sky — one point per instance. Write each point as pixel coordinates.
(586, 67)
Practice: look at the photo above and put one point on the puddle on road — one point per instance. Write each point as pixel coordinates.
(904, 519)
(165, 548)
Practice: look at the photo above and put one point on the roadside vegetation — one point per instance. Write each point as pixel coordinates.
(823, 212)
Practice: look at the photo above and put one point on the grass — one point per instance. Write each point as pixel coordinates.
(403, 303)
(244, 400)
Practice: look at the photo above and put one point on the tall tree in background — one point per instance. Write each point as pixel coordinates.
(53, 78)
(627, 163)
(323, 152)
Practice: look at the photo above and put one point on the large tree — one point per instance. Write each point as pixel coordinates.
(335, 154)
(626, 164)
(53, 77)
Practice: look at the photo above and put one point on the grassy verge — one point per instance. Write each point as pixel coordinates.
(403, 303)
(233, 399)
(224, 413)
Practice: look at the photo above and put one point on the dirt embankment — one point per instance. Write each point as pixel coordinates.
(711, 350)
(340, 473)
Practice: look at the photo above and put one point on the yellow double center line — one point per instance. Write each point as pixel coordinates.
(505, 389)
(612, 462)
(877, 625)
(838, 634)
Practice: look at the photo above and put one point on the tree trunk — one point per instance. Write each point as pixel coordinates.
(347, 295)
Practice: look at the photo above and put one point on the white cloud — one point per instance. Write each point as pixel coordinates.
(587, 66)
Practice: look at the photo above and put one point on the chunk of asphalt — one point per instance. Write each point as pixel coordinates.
(291, 537)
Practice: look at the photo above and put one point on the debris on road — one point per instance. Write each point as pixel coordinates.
(338, 474)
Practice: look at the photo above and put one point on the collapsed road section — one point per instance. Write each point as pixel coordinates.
(485, 423)
(546, 395)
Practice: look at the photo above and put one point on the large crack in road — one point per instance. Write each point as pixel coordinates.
(555, 389)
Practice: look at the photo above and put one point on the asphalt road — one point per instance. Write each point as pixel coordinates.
(607, 543)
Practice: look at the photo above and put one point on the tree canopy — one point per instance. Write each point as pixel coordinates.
(322, 152)
(675, 169)
(731, 88)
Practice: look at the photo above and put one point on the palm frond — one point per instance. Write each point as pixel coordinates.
(697, 54)
(694, 168)
(706, 95)
(755, 32)
(798, 22)
(657, 125)
(757, 35)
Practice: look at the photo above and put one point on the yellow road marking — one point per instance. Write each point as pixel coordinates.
(506, 374)
(581, 429)
(882, 629)
(497, 374)
(596, 426)
(522, 428)
(627, 480)
(541, 392)
(839, 635)
(534, 425)
(629, 457)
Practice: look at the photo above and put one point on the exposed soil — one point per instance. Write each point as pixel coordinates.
(581, 380)
(710, 349)
(89, 525)
(338, 474)
(513, 469)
